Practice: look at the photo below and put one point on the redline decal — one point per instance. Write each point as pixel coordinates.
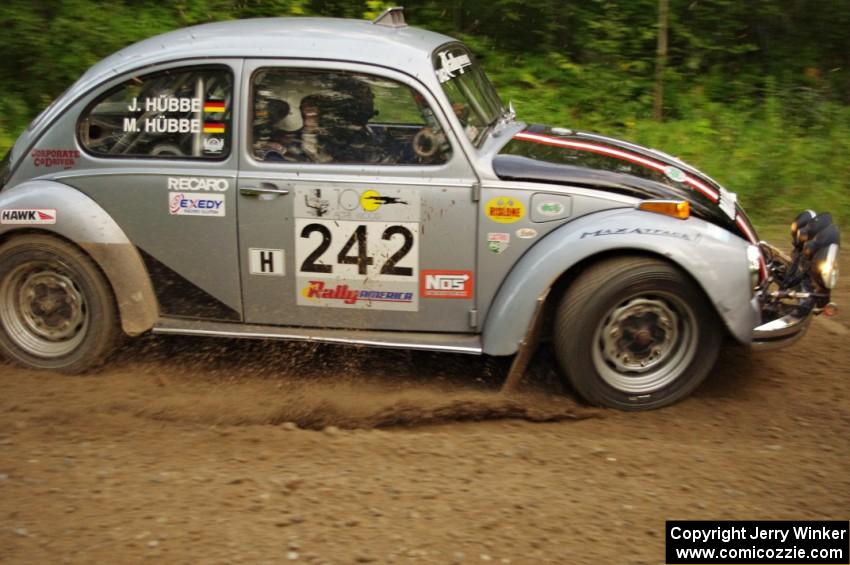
(504, 210)
(617, 154)
(446, 284)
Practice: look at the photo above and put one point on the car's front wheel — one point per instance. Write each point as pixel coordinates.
(634, 333)
(56, 309)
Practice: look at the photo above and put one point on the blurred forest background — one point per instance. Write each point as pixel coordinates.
(755, 92)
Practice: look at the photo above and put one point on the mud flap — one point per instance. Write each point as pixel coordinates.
(527, 347)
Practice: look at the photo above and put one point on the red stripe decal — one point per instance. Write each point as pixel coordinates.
(701, 187)
(745, 227)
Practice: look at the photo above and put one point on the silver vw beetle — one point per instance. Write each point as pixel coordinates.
(362, 183)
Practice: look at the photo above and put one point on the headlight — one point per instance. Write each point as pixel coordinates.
(754, 264)
(826, 266)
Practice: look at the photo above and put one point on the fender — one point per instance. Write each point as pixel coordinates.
(713, 257)
(82, 221)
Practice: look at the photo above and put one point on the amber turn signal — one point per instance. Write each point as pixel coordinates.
(676, 208)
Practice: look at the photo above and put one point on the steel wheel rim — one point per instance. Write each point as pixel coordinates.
(42, 309)
(645, 342)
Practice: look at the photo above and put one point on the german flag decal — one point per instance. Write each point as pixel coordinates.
(213, 127)
(214, 106)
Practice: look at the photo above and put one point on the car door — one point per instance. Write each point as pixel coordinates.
(155, 152)
(355, 204)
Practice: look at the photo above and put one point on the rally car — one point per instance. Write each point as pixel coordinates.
(361, 182)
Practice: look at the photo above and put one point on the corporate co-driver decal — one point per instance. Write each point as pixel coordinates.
(55, 158)
(31, 216)
(357, 248)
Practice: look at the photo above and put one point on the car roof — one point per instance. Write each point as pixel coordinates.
(361, 41)
(314, 38)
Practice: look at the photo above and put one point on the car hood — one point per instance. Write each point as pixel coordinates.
(561, 156)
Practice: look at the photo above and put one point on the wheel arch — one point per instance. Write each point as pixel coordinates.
(81, 222)
(565, 280)
(712, 258)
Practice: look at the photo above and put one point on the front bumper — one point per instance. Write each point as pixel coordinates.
(781, 332)
(790, 295)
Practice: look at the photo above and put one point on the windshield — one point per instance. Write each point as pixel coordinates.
(472, 96)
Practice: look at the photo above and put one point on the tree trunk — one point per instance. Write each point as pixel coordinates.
(458, 15)
(660, 60)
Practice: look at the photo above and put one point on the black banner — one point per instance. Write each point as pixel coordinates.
(694, 542)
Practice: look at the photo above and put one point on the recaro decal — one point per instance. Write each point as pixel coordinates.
(198, 184)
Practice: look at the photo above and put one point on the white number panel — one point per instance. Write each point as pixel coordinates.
(357, 248)
(357, 251)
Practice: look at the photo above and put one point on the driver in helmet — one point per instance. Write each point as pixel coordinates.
(283, 120)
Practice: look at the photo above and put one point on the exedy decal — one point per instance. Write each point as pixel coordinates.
(181, 204)
(642, 231)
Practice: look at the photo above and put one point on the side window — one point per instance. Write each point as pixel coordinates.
(318, 116)
(182, 113)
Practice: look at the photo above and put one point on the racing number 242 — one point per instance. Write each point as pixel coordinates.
(362, 259)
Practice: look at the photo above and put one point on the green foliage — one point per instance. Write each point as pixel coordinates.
(756, 93)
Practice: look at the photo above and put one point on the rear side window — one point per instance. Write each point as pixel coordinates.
(181, 113)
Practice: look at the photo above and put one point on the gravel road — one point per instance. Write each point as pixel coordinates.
(203, 451)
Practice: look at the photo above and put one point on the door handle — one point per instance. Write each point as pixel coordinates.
(264, 188)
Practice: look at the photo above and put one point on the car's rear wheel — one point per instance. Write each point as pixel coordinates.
(634, 333)
(56, 309)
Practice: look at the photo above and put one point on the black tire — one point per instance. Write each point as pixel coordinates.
(633, 333)
(57, 310)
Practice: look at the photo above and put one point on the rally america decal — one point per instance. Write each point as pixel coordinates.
(357, 247)
(30, 217)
